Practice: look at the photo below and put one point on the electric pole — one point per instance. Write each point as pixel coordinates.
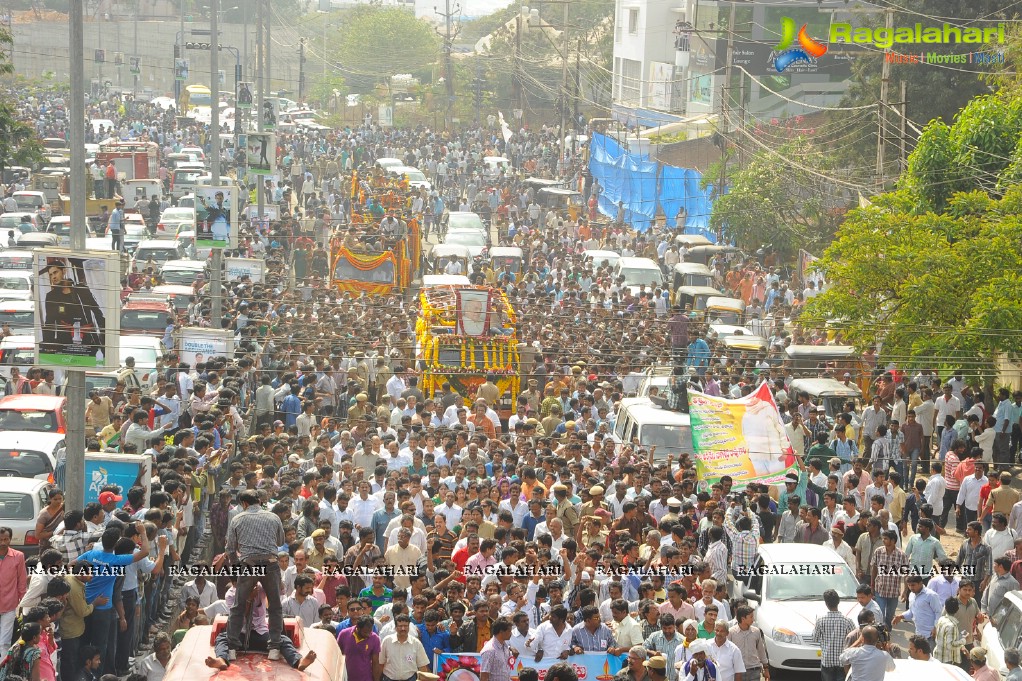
(74, 452)
(301, 70)
(478, 83)
(259, 180)
(518, 94)
(885, 78)
(564, 87)
(902, 126)
(724, 126)
(449, 34)
(217, 273)
(578, 93)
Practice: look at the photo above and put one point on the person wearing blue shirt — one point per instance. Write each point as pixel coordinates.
(102, 625)
(698, 356)
(439, 641)
(291, 407)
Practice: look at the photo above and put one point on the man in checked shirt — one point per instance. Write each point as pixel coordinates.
(829, 633)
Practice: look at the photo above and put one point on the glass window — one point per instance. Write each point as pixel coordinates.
(384, 274)
(803, 587)
(36, 421)
(16, 506)
(1008, 621)
(144, 320)
(20, 463)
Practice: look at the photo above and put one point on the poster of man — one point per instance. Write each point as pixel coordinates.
(215, 220)
(244, 96)
(261, 149)
(135, 65)
(268, 116)
(181, 68)
(78, 324)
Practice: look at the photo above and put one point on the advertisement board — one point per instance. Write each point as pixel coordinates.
(261, 153)
(196, 344)
(78, 299)
(216, 221)
(268, 115)
(236, 268)
(660, 85)
(742, 438)
(245, 90)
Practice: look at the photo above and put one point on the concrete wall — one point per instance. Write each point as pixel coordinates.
(41, 47)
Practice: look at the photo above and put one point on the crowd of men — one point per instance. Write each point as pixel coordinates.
(410, 525)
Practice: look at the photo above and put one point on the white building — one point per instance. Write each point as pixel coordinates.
(670, 56)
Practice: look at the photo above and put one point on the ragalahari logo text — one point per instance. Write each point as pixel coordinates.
(806, 51)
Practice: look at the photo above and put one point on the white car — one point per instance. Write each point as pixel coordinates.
(1002, 631)
(599, 257)
(173, 220)
(21, 501)
(473, 239)
(29, 454)
(416, 178)
(20, 314)
(34, 202)
(912, 670)
(786, 591)
(183, 272)
(388, 163)
(157, 250)
(15, 285)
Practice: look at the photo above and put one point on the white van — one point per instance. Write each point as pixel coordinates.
(638, 271)
(670, 431)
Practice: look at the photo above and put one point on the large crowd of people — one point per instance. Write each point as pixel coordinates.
(410, 525)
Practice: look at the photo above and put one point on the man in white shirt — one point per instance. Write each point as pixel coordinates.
(935, 488)
(968, 494)
(725, 654)
(1000, 538)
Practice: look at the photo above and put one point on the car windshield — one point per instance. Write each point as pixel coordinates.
(9, 222)
(641, 275)
(144, 356)
(16, 318)
(415, 176)
(18, 356)
(182, 277)
(14, 284)
(466, 238)
(28, 202)
(464, 222)
(798, 586)
(23, 463)
(36, 421)
(15, 262)
(155, 254)
(664, 437)
(16, 506)
(145, 320)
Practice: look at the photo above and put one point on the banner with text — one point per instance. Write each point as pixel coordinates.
(742, 438)
(588, 666)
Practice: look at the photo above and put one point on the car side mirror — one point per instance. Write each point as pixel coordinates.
(750, 595)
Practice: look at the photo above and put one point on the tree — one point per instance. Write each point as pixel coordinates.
(981, 151)
(788, 208)
(375, 43)
(19, 142)
(938, 290)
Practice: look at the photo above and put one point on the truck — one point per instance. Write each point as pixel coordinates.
(463, 334)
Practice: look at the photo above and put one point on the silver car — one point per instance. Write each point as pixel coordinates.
(21, 501)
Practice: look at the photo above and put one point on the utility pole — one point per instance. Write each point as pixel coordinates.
(741, 120)
(449, 34)
(179, 85)
(885, 78)
(217, 273)
(267, 21)
(724, 127)
(564, 87)
(260, 12)
(134, 53)
(578, 93)
(518, 94)
(902, 126)
(74, 453)
(301, 70)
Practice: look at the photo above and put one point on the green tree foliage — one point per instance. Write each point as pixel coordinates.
(768, 202)
(19, 143)
(980, 151)
(933, 289)
(378, 42)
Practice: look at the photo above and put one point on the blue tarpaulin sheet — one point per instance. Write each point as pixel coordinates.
(643, 186)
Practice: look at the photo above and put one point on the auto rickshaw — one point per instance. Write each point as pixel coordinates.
(441, 254)
(693, 298)
(506, 255)
(725, 310)
(561, 201)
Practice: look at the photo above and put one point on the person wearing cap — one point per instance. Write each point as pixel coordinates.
(698, 667)
(565, 510)
(635, 667)
(595, 502)
(838, 543)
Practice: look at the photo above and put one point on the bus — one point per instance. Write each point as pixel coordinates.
(193, 96)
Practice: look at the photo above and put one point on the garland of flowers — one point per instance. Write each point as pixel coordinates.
(363, 262)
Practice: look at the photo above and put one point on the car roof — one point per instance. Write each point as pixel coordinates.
(824, 386)
(184, 264)
(145, 305)
(690, 267)
(27, 485)
(498, 251)
(631, 261)
(820, 350)
(798, 553)
(643, 410)
(32, 439)
(32, 402)
(166, 244)
(699, 290)
(725, 300)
